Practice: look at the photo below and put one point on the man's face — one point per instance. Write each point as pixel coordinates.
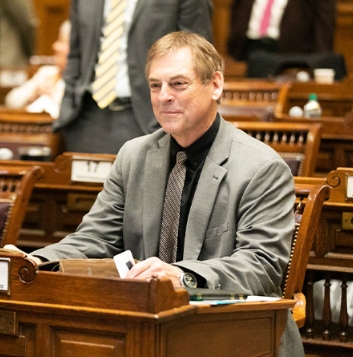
(183, 106)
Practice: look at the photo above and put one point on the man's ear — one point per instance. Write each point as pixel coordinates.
(218, 83)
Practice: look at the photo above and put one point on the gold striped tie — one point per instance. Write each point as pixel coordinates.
(106, 70)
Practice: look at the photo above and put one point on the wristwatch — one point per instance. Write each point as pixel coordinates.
(187, 280)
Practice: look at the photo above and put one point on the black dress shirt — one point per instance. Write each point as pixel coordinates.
(196, 155)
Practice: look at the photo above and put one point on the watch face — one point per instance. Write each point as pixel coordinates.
(189, 280)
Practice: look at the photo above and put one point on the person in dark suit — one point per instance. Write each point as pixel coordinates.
(296, 26)
(85, 126)
(236, 210)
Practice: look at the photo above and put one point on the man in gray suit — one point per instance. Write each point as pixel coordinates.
(87, 127)
(236, 211)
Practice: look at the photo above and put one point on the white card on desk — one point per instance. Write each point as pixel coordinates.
(124, 262)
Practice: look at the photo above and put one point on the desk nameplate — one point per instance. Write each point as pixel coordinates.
(93, 171)
(5, 275)
(349, 187)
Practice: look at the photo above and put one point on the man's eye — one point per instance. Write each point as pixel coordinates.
(154, 85)
(179, 84)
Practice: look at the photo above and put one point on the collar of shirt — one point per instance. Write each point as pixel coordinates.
(197, 151)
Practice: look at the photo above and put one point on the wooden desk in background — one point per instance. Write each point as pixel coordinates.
(336, 99)
(54, 314)
(58, 201)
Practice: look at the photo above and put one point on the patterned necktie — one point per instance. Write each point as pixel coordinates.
(106, 70)
(266, 18)
(171, 211)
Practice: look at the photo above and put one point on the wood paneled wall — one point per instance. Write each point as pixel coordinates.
(344, 33)
(51, 14)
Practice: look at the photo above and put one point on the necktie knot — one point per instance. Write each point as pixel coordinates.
(181, 157)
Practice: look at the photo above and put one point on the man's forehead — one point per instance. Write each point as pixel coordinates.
(172, 65)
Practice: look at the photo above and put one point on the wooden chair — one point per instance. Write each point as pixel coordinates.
(298, 144)
(329, 276)
(254, 98)
(307, 213)
(336, 144)
(16, 184)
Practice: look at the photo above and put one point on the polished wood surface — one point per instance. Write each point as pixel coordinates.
(53, 314)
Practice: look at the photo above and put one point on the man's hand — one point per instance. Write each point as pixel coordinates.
(154, 268)
(14, 248)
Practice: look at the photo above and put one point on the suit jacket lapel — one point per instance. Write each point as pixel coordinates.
(139, 6)
(155, 182)
(206, 192)
(99, 19)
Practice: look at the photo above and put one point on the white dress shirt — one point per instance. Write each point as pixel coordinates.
(123, 88)
(275, 19)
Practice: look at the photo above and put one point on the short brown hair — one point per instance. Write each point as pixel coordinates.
(206, 58)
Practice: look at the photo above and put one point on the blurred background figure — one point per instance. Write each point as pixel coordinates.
(44, 91)
(103, 128)
(18, 25)
(281, 38)
(281, 26)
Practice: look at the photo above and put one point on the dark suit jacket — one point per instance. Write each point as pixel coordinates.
(307, 26)
(152, 19)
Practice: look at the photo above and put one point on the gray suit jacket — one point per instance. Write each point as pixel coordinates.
(239, 227)
(152, 19)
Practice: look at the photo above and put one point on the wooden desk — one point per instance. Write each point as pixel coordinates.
(55, 314)
(19, 128)
(336, 99)
(57, 203)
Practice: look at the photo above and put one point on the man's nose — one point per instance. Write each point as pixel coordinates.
(165, 93)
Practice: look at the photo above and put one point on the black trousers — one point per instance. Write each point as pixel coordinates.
(264, 44)
(99, 130)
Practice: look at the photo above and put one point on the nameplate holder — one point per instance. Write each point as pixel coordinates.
(5, 276)
(349, 187)
(88, 170)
